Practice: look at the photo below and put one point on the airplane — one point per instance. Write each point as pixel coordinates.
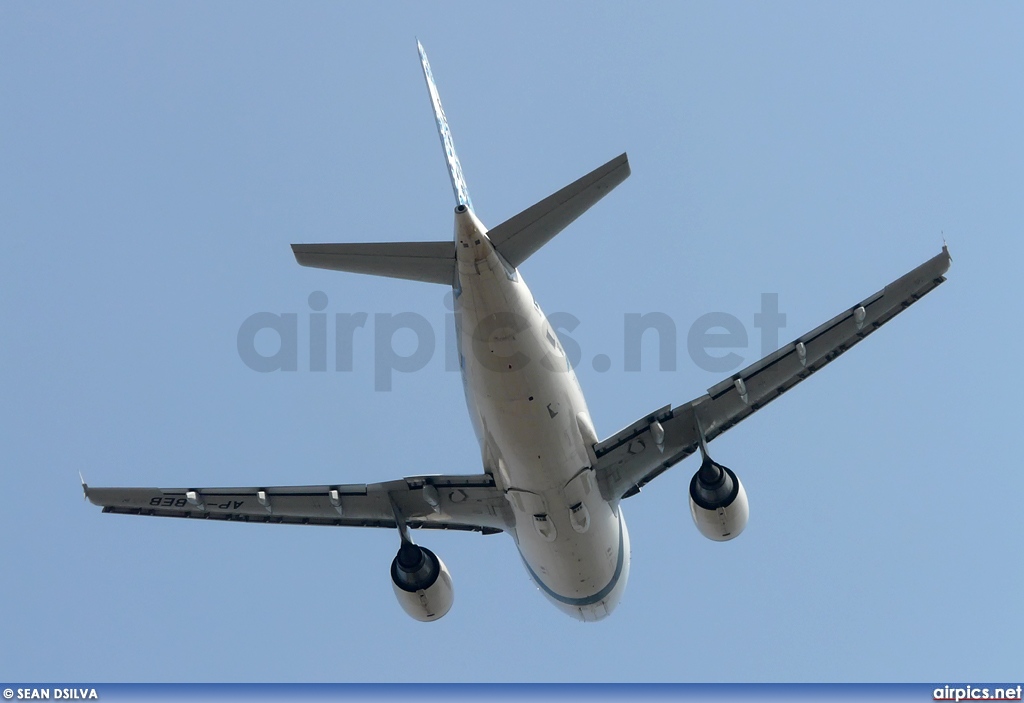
(547, 479)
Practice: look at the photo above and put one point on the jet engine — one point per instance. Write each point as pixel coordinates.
(422, 583)
(718, 502)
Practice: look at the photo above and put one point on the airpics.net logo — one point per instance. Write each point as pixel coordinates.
(977, 693)
(406, 342)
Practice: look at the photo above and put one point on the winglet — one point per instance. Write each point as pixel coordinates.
(451, 158)
(85, 486)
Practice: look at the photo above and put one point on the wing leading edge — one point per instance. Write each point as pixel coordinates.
(630, 458)
(471, 503)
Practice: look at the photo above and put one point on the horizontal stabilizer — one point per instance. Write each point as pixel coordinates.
(519, 237)
(432, 262)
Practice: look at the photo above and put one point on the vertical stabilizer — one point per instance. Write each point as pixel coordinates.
(454, 168)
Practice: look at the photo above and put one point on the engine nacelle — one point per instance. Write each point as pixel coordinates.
(718, 502)
(422, 583)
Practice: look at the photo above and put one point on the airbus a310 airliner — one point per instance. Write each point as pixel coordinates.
(548, 480)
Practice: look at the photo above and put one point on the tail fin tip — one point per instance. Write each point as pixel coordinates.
(459, 186)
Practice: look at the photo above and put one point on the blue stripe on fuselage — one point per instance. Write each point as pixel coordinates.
(588, 600)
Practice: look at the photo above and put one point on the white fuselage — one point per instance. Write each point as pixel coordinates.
(535, 432)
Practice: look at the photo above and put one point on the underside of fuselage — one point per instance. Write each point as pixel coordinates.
(534, 429)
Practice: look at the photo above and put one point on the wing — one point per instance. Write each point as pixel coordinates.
(632, 457)
(440, 502)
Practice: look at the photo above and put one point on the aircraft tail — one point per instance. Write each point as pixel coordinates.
(515, 239)
(518, 237)
(447, 145)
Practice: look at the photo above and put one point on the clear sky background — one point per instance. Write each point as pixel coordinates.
(157, 159)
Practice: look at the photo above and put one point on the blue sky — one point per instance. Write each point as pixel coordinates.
(157, 159)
